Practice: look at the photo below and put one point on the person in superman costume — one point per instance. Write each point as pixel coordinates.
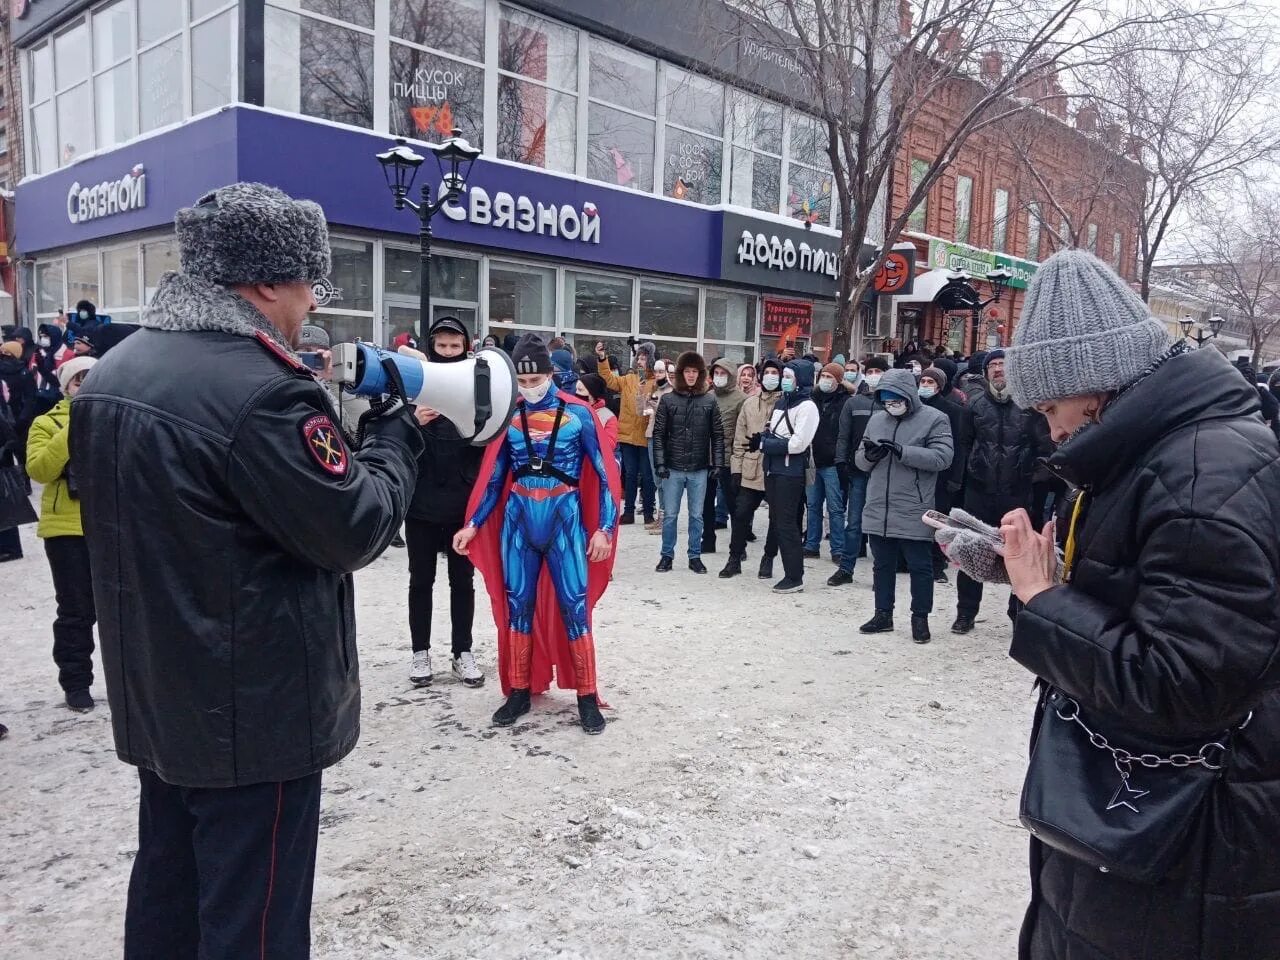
(541, 527)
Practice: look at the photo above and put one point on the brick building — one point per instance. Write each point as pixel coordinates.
(10, 161)
(1018, 191)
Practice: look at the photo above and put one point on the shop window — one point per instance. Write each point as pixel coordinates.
(158, 258)
(432, 94)
(160, 84)
(694, 103)
(351, 275)
(920, 215)
(597, 303)
(737, 353)
(73, 100)
(450, 26)
(1034, 221)
(452, 278)
(82, 279)
(964, 207)
(50, 295)
(212, 77)
(538, 75)
(755, 178)
(730, 316)
(670, 350)
(112, 34)
(343, 327)
(120, 280)
(1000, 221)
(319, 69)
(822, 331)
(668, 310)
(621, 129)
(521, 296)
(113, 105)
(809, 180)
(356, 12)
(693, 149)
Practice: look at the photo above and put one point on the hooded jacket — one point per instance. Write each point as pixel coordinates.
(792, 425)
(753, 418)
(901, 489)
(449, 465)
(826, 439)
(48, 358)
(48, 456)
(687, 432)
(224, 514)
(729, 399)
(1167, 636)
(633, 391)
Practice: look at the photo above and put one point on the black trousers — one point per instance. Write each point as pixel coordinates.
(73, 626)
(223, 874)
(885, 552)
(786, 501)
(425, 542)
(745, 504)
(716, 480)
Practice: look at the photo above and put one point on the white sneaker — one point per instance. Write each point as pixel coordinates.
(465, 669)
(420, 672)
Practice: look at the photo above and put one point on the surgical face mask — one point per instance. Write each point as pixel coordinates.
(84, 314)
(927, 392)
(770, 381)
(534, 394)
(826, 384)
(852, 376)
(45, 342)
(788, 386)
(895, 408)
(721, 380)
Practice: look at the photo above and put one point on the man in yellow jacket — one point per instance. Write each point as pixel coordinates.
(633, 389)
(48, 462)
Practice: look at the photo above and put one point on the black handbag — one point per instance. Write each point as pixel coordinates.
(1130, 814)
(15, 507)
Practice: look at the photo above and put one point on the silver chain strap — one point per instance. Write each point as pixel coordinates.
(1210, 756)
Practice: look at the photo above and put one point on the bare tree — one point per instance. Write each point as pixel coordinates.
(1237, 249)
(875, 66)
(1196, 103)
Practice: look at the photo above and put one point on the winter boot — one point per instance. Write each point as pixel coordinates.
(920, 629)
(731, 569)
(787, 585)
(627, 519)
(697, 566)
(840, 578)
(589, 714)
(963, 624)
(882, 622)
(664, 565)
(517, 705)
(766, 568)
(81, 701)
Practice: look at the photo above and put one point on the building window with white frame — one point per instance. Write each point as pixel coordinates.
(729, 325)
(755, 175)
(1091, 243)
(1033, 230)
(319, 59)
(213, 45)
(964, 208)
(537, 91)
(621, 116)
(437, 69)
(114, 103)
(120, 294)
(1000, 221)
(597, 308)
(693, 138)
(920, 215)
(669, 316)
(4, 141)
(809, 179)
(74, 100)
(521, 297)
(1117, 250)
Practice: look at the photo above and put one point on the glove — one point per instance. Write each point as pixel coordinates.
(974, 553)
(664, 474)
(892, 446)
(753, 442)
(842, 471)
(874, 451)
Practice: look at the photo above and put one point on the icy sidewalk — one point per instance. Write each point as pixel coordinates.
(771, 784)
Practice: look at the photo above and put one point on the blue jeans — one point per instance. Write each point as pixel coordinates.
(722, 503)
(695, 482)
(636, 471)
(825, 486)
(855, 500)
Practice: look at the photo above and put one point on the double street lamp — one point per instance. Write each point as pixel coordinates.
(1191, 332)
(961, 292)
(400, 166)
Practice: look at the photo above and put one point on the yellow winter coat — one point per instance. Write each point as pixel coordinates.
(634, 394)
(47, 456)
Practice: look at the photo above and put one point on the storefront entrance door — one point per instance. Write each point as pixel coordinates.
(401, 315)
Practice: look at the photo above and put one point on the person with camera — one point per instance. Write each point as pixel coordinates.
(224, 513)
(634, 389)
(48, 462)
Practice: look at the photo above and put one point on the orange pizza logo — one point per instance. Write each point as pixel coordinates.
(893, 274)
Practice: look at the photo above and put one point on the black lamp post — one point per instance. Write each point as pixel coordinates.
(400, 166)
(1199, 336)
(963, 293)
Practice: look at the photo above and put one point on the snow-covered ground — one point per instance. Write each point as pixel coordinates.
(772, 784)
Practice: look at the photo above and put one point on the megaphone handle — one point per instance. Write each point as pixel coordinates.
(484, 403)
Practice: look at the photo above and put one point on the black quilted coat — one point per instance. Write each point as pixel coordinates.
(1171, 627)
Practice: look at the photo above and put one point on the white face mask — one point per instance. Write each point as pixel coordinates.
(84, 314)
(927, 393)
(45, 342)
(770, 381)
(721, 380)
(826, 384)
(534, 394)
(873, 380)
(895, 408)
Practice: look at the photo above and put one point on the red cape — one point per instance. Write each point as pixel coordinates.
(550, 640)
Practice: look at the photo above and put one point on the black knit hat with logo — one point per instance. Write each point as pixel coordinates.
(531, 355)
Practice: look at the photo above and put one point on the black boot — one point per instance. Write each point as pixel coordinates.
(920, 629)
(963, 624)
(839, 578)
(517, 705)
(731, 569)
(697, 566)
(589, 714)
(627, 519)
(882, 622)
(664, 565)
(766, 568)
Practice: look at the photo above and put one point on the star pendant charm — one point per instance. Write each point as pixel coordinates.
(1128, 792)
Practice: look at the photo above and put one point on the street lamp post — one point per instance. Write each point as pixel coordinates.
(400, 166)
(1199, 336)
(967, 295)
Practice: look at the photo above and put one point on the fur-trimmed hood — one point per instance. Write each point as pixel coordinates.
(186, 304)
(686, 360)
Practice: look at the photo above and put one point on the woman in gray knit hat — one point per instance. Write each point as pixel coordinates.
(1156, 628)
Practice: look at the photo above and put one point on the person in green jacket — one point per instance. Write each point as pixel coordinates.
(48, 462)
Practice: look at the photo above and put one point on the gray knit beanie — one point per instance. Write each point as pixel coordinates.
(253, 233)
(1082, 330)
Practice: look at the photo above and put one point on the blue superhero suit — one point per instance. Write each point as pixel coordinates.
(544, 450)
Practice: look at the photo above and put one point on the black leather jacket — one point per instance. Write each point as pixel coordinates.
(222, 546)
(687, 433)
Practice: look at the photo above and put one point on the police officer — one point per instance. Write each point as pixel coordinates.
(224, 512)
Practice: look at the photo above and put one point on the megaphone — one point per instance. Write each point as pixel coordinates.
(477, 395)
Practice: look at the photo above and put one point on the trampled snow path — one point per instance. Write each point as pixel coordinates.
(771, 784)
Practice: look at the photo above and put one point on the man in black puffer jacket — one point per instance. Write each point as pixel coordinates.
(224, 514)
(447, 471)
(688, 442)
(1003, 450)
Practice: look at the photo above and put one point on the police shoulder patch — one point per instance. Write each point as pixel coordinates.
(324, 442)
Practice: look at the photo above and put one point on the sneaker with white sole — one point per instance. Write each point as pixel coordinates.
(420, 672)
(466, 670)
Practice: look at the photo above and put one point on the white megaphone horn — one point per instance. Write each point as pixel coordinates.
(477, 395)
